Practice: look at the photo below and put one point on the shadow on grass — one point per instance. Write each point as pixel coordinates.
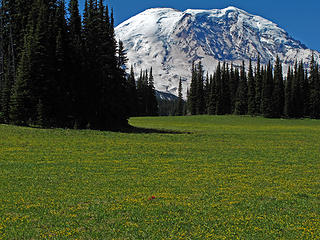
(131, 129)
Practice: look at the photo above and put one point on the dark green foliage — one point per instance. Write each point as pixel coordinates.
(152, 104)
(297, 97)
(59, 73)
(314, 80)
(266, 100)
(288, 108)
(233, 86)
(132, 94)
(278, 97)
(265, 92)
(147, 101)
(251, 92)
(180, 100)
(258, 85)
(196, 95)
(241, 104)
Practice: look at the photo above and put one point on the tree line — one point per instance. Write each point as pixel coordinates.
(60, 70)
(259, 91)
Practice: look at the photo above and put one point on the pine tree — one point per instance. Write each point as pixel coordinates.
(258, 85)
(206, 92)
(241, 105)
(266, 101)
(314, 79)
(192, 98)
(278, 91)
(226, 99)
(219, 90)
(288, 94)
(200, 93)
(151, 97)
(297, 99)
(306, 94)
(21, 101)
(132, 94)
(180, 99)
(76, 66)
(251, 92)
(213, 96)
(233, 86)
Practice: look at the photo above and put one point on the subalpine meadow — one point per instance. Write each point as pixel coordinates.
(222, 177)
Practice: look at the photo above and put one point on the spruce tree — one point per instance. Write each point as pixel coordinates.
(76, 66)
(258, 85)
(21, 100)
(241, 105)
(219, 90)
(180, 99)
(132, 94)
(314, 79)
(266, 101)
(152, 100)
(297, 98)
(200, 93)
(251, 92)
(288, 94)
(233, 86)
(213, 96)
(306, 95)
(278, 91)
(192, 98)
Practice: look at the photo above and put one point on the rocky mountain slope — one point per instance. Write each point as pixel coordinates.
(169, 40)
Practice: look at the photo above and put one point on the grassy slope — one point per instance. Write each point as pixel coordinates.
(233, 177)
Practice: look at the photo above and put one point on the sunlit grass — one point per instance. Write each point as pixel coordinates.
(231, 178)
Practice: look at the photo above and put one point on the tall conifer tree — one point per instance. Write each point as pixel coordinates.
(251, 91)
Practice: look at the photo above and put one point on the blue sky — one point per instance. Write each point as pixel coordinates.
(300, 18)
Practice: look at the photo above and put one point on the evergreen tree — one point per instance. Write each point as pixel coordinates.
(76, 66)
(258, 85)
(233, 86)
(192, 98)
(21, 102)
(278, 91)
(266, 101)
(200, 93)
(306, 94)
(251, 92)
(297, 98)
(288, 109)
(226, 99)
(241, 105)
(314, 79)
(132, 94)
(219, 90)
(152, 104)
(180, 99)
(206, 90)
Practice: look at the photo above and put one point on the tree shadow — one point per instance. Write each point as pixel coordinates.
(136, 130)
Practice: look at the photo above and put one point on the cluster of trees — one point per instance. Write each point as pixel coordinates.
(58, 70)
(260, 91)
(173, 107)
(146, 104)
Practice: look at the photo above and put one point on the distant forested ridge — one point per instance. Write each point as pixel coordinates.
(263, 90)
(60, 70)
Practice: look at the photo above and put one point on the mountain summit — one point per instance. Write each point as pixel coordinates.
(169, 40)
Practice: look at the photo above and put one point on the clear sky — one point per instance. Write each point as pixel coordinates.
(300, 18)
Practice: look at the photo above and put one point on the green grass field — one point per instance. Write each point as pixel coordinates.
(230, 178)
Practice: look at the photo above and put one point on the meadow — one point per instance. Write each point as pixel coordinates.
(208, 177)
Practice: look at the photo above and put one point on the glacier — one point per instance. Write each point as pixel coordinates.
(169, 40)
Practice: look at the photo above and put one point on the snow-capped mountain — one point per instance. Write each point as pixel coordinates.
(169, 40)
